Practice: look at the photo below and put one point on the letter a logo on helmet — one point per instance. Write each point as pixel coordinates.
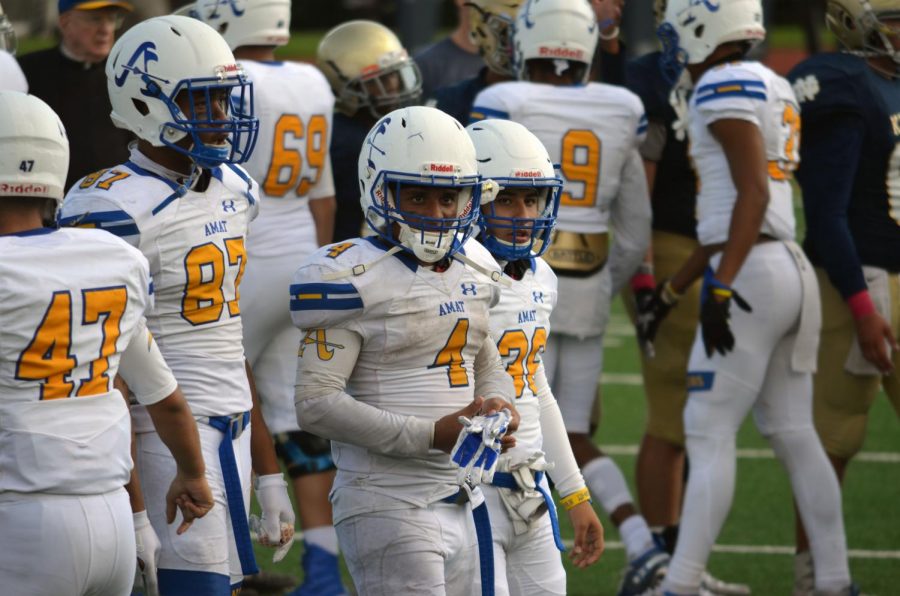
(147, 51)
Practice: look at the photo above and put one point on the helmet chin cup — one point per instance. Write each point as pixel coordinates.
(428, 247)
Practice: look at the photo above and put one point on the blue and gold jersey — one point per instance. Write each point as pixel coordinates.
(850, 166)
(674, 198)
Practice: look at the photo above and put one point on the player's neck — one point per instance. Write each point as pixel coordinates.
(726, 52)
(460, 38)
(257, 53)
(167, 158)
(16, 218)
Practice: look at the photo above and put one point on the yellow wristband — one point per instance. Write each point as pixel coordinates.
(669, 295)
(576, 498)
(722, 292)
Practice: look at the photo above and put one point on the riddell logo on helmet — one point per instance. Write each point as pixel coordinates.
(7, 189)
(528, 174)
(440, 168)
(565, 53)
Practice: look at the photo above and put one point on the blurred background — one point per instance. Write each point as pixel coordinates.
(796, 27)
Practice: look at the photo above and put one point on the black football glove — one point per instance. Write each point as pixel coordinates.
(652, 308)
(715, 316)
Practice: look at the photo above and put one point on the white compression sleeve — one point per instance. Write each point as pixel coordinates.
(325, 409)
(565, 474)
(145, 371)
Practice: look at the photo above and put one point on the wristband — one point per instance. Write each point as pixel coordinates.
(668, 294)
(642, 281)
(577, 498)
(861, 304)
(611, 35)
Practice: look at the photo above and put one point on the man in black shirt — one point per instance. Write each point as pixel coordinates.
(71, 79)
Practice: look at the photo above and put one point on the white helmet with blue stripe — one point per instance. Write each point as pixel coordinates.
(157, 60)
(419, 146)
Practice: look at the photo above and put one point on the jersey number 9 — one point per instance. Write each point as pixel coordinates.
(581, 164)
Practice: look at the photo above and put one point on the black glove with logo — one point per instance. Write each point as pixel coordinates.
(715, 315)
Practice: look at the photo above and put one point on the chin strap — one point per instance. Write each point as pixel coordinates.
(494, 275)
(359, 269)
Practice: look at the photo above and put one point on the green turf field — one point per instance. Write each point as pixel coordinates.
(760, 527)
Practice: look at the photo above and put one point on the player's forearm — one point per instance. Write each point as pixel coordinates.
(175, 424)
(323, 211)
(333, 414)
(491, 378)
(262, 447)
(565, 474)
(746, 221)
(690, 271)
(630, 219)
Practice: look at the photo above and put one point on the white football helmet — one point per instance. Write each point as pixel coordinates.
(34, 150)
(419, 146)
(7, 33)
(155, 61)
(247, 22)
(860, 26)
(490, 28)
(554, 30)
(510, 155)
(693, 29)
(368, 67)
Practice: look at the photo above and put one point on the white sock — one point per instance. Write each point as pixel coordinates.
(636, 536)
(324, 537)
(606, 483)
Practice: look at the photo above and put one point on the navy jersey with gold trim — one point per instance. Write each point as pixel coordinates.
(850, 166)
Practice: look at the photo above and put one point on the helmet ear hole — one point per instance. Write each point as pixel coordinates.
(698, 32)
(140, 106)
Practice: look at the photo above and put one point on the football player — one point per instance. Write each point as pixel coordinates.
(370, 74)
(68, 326)
(848, 173)
(182, 200)
(661, 458)
(515, 228)
(291, 162)
(397, 348)
(11, 76)
(490, 29)
(744, 131)
(589, 129)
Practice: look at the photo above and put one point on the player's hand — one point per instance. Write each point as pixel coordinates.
(192, 496)
(652, 308)
(608, 14)
(589, 542)
(446, 429)
(715, 318)
(495, 404)
(275, 527)
(477, 449)
(875, 335)
(148, 548)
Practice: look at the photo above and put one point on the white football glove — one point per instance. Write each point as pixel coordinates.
(477, 448)
(275, 527)
(148, 548)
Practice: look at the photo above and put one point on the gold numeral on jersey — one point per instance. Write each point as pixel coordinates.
(47, 357)
(451, 355)
(524, 366)
(287, 163)
(782, 169)
(105, 183)
(204, 292)
(109, 305)
(580, 163)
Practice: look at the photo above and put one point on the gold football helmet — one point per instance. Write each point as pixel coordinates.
(368, 67)
(860, 26)
(490, 28)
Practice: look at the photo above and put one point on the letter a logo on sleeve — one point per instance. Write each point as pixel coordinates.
(324, 348)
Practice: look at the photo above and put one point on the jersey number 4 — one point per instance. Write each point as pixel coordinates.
(451, 355)
(523, 367)
(48, 358)
(204, 294)
(287, 162)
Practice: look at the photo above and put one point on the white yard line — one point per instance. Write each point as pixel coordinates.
(768, 549)
(878, 457)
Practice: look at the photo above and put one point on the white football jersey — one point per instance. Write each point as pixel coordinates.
(194, 242)
(70, 301)
(291, 159)
(421, 332)
(744, 91)
(590, 131)
(520, 324)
